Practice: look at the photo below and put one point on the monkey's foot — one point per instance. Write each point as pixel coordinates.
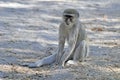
(33, 65)
(72, 62)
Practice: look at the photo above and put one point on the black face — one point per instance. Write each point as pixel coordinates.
(68, 18)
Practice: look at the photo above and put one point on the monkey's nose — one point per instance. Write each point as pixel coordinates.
(67, 21)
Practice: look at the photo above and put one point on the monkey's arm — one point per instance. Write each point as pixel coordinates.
(83, 33)
(72, 49)
(70, 53)
(62, 37)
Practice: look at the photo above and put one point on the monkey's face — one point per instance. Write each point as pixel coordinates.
(69, 19)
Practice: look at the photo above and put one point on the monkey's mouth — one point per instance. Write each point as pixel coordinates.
(67, 23)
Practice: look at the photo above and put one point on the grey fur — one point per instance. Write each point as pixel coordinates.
(75, 35)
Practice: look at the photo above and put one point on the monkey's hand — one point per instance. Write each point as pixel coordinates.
(63, 63)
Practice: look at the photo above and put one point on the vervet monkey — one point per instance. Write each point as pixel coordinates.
(72, 31)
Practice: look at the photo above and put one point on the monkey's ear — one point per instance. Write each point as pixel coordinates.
(77, 13)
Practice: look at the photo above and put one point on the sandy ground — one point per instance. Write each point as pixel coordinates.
(29, 32)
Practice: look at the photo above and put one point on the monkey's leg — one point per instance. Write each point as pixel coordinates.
(80, 52)
(47, 60)
(87, 50)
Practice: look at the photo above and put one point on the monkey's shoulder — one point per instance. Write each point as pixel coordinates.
(80, 27)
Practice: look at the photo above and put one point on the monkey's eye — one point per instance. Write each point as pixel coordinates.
(68, 16)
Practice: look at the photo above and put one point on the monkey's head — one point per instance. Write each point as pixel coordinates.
(70, 16)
